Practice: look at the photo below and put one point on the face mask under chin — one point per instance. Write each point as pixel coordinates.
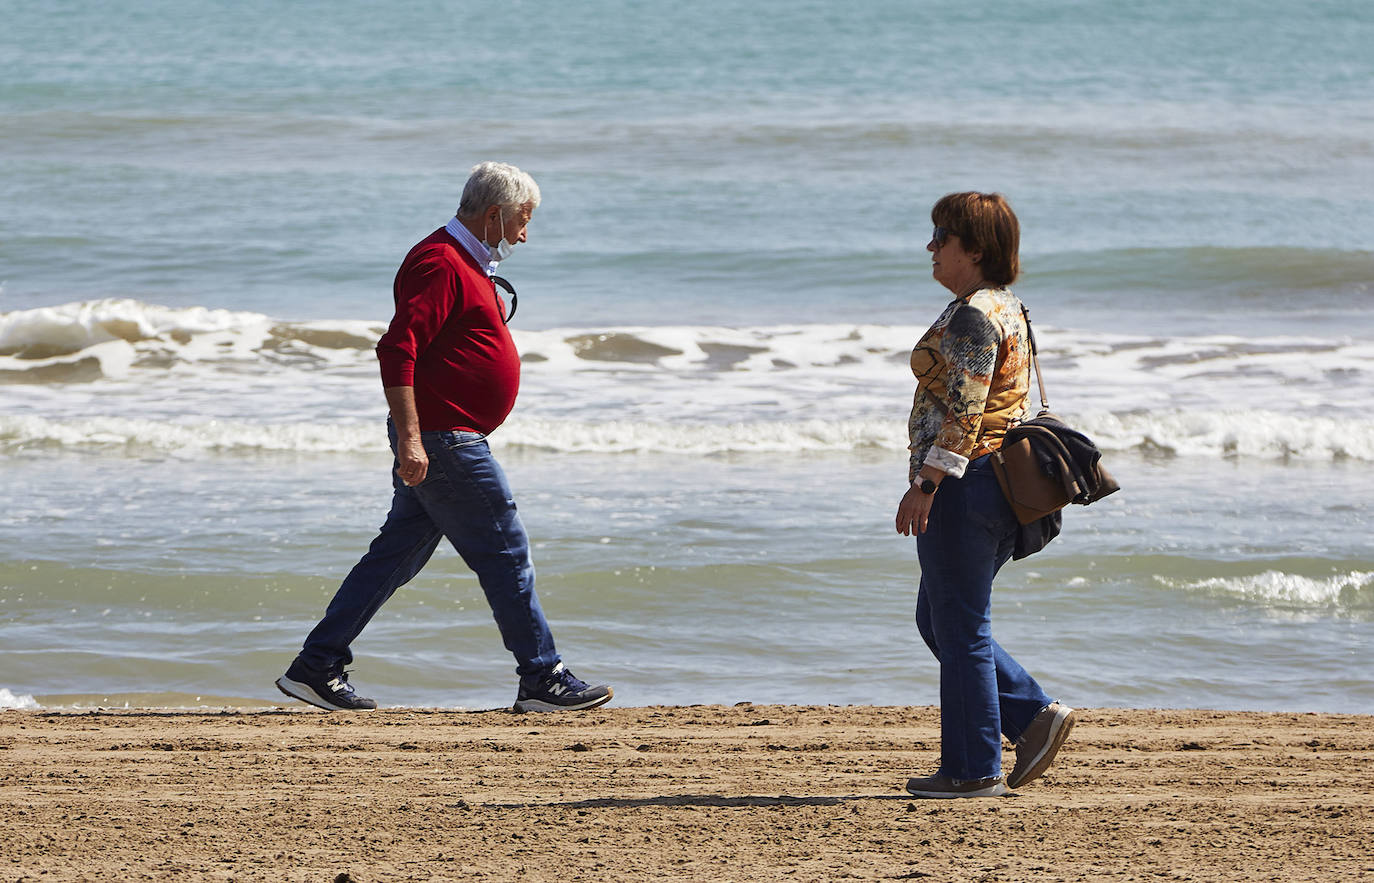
(502, 249)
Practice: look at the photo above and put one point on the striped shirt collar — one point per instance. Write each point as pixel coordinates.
(479, 251)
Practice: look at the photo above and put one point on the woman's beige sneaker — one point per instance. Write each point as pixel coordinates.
(940, 785)
(1036, 748)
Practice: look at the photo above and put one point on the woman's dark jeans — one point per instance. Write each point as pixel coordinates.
(984, 693)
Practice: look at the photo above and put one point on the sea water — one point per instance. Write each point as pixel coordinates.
(204, 206)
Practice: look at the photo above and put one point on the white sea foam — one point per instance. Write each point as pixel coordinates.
(1231, 433)
(1344, 590)
(121, 372)
(214, 435)
(572, 436)
(21, 701)
(1240, 434)
(70, 328)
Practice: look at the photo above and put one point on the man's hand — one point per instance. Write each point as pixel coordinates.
(412, 463)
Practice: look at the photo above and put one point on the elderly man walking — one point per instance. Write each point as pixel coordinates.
(450, 372)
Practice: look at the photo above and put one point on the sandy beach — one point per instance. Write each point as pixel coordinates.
(748, 792)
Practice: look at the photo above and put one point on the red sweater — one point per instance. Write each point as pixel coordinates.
(449, 341)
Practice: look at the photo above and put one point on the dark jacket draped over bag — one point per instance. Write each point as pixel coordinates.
(1071, 458)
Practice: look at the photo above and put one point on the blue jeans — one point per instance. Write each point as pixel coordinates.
(466, 498)
(984, 693)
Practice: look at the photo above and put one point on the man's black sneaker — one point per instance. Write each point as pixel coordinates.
(329, 689)
(559, 690)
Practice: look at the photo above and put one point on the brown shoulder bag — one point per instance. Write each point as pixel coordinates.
(1037, 471)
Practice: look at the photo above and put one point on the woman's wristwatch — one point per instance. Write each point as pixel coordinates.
(927, 486)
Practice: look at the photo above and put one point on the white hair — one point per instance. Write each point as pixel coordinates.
(497, 183)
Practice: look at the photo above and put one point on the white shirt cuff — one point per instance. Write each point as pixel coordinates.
(947, 462)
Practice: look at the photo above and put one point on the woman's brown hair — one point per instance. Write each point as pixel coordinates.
(985, 223)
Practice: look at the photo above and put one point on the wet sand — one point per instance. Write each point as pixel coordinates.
(754, 793)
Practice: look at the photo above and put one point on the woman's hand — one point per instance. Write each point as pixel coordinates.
(914, 512)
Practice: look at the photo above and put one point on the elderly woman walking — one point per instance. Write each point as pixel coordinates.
(972, 372)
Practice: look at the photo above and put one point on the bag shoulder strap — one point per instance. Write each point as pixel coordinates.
(1035, 360)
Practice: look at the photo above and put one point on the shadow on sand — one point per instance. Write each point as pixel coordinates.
(702, 800)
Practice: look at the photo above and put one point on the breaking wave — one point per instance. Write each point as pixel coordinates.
(126, 373)
(21, 701)
(1346, 591)
(1242, 434)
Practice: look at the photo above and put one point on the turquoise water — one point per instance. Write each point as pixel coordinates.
(204, 205)
(731, 162)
